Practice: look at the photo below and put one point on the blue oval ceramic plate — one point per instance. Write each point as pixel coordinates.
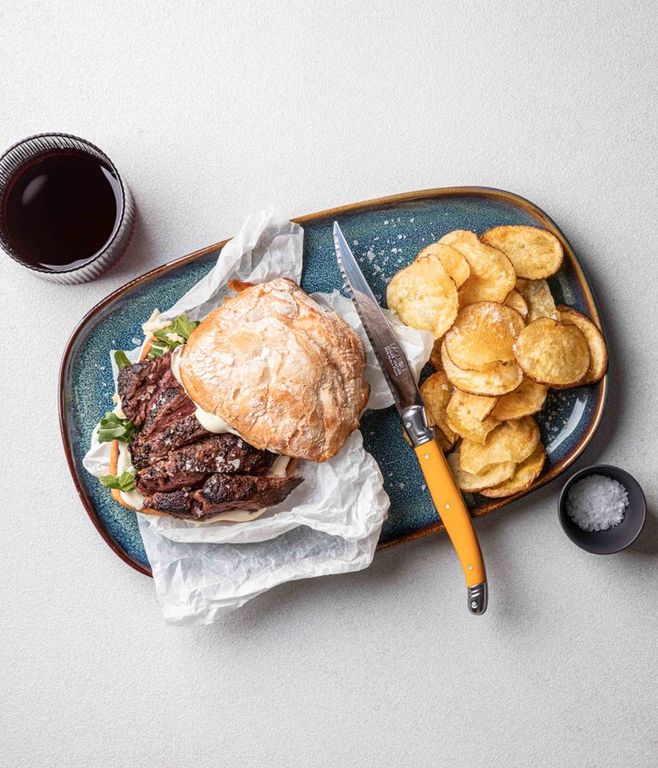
(385, 234)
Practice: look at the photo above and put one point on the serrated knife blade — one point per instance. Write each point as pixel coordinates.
(387, 348)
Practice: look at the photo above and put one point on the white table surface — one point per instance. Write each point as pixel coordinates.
(212, 110)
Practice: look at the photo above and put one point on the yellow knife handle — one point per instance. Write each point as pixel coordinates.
(454, 515)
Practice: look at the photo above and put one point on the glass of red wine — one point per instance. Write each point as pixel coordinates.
(65, 212)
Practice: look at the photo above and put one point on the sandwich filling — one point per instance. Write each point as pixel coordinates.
(183, 469)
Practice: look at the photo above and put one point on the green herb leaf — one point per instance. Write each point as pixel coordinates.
(123, 482)
(121, 359)
(172, 335)
(111, 427)
(158, 348)
(184, 327)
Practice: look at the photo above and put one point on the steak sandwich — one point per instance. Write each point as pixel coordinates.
(212, 423)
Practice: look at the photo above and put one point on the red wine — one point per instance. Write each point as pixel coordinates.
(61, 209)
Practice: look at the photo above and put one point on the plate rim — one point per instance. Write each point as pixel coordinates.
(350, 208)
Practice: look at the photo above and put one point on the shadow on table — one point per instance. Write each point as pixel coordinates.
(647, 541)
(140, 256)
(384, 583)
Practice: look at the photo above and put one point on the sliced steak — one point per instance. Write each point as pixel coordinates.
(165, 478)
(168, 405)
(138, 384)
(187, 467)
(146, 450)
(223, 493)
(176, 503)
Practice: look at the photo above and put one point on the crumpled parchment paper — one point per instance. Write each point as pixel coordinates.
(329, 524)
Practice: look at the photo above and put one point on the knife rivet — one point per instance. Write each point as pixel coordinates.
(427, 456)
(470, 567)
(447, 506)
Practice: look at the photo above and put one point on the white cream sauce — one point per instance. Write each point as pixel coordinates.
(280, 466)
(211, 422)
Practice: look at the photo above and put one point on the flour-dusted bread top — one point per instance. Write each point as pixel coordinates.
(282, 371)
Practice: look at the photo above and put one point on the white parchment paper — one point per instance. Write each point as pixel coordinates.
(329, 524)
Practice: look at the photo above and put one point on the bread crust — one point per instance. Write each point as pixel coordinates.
(285, 373)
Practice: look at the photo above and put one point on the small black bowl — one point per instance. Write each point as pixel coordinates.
(620, 536)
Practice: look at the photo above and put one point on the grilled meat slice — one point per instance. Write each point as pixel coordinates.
(223, 493)
(169, 404)
(150, 395)
(176, 503)
(137, 385)
(147, 450)
(165, 477)
(187, 467)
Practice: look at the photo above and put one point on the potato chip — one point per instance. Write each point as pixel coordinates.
(534, 253)
(524, 476)
(517, 302)
(492, 274)
(498, 379)
(598, 353)
(511, 441)
(539, 299)
(493, 475)
(468, 415)
(452, 261)
(424, 297)
(552, 353)
(483, 334)
(476, 406)
(528, 398)
(436, 391)
(497, 350)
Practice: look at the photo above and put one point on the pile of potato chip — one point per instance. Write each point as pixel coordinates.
(500, 344)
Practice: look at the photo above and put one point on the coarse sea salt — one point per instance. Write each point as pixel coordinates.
(597, 503)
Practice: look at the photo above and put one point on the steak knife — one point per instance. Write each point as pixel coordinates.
(408, 401)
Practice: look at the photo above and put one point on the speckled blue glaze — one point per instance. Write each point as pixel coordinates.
(383, 239)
